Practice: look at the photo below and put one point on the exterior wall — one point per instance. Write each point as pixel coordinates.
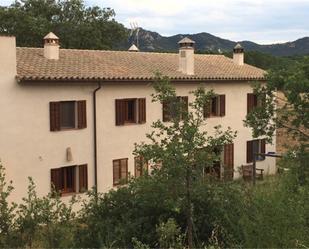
(115, 142)
(28, 148)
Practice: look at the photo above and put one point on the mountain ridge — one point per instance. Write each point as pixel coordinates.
(206, 42)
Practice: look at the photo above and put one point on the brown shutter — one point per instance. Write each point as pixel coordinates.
(251, 99)
(263, 147)
(186, 103)
(222, 105)
(83, 178)
(137, 166)
(142, 111)
(56, 179)
(81, 114)
(207, 108)
(120, 111)
(229, 161)
(54, 112)
(249, 151)
(116, 172)
(124, 170)
(165, 111)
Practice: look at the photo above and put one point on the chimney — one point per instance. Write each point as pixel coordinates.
(186, 56)
(7, 59)
(238, 55)
(133, 48)
(51, 46)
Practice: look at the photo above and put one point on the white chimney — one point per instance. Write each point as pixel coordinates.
(51, 46)
(238, 55)
(186, 56)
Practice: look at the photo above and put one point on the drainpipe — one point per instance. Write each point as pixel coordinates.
(95, 137)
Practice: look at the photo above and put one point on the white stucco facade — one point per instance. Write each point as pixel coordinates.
(29, 148)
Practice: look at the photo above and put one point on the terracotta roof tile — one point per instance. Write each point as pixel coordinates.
(123, 65)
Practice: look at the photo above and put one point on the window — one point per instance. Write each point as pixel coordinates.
(141, 166)
(120, 171)
(70, 179)
(169, 109)
(216, 107)
(130, 111)
(224, 166)
(255, 146)
(253, 101)
(67, 115)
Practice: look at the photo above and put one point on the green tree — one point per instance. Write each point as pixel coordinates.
(182, 149)
(284, 103)
(77, 26)
(7, 210)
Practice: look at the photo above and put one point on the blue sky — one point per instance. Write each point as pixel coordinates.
(262, 21)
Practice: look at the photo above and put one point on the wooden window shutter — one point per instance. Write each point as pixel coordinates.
(251, 102)
(120, 107)
(124, 170)
(116, 170)
(54, 112)
(207, 109)
(56, 179)
(83, 178)
(249, 151)
(229, 161)
(222, 105)
(142, 111)
(263, 147)
(166, 111)
(137, 166)
(81, 114)
(186, 103)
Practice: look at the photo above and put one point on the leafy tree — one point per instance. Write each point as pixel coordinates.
(181, 150)
(284, 103)
(7, 210)
(77, 26)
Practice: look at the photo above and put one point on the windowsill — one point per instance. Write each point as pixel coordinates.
(130, 124)
(68, 194)
(213, 116)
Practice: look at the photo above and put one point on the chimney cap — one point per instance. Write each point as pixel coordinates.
(186, 43)
(186, 40)
(133, 48)
(51, 35)
(238, 48)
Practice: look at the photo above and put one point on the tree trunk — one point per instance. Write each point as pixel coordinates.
(189, 210)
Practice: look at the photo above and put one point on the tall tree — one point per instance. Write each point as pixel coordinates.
(181, 150)
(78, 26)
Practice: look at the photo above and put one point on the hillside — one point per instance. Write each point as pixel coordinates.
(152, 41)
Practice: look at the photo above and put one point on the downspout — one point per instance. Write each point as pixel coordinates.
(95, 137)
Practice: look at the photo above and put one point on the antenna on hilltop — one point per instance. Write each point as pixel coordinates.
(135, 28)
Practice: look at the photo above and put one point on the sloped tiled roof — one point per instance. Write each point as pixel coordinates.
(94, 65)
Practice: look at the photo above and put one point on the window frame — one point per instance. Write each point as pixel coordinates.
(55, 115)
(76, 187)
(141, 167)
(62, 128)
(120, 181)
(122, 111)
(258, 146)
(167, 116)
(220, 107)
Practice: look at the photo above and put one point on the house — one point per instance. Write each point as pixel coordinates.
(72, 117)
